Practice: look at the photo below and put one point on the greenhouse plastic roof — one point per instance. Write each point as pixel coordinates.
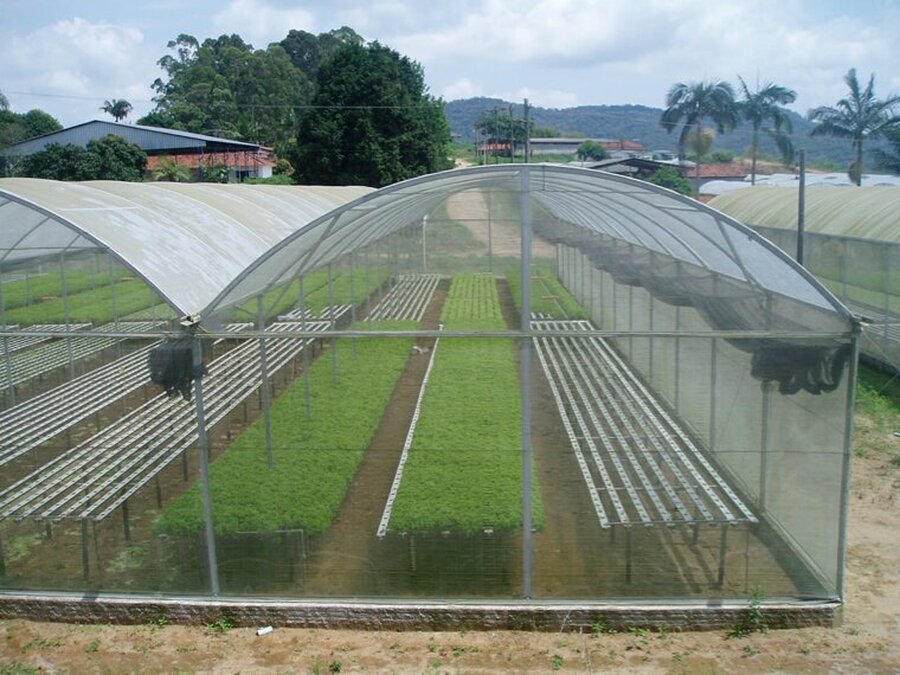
(207, 248)
(188, 241)
(638, 224)
(863, 212)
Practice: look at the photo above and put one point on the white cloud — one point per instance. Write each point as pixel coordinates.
(545, 98)
(461, 88)
(82, 62)
(259, 23)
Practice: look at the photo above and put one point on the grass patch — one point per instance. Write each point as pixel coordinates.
(548, 295)
(315, 460)
(22, 292)
(877, 414)
(91, 306)
(465, 466)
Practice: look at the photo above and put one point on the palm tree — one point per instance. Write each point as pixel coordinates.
(767, 103)
(701, 143)
(690, 103)
(858, 117)
(118, 108)
(168, 168)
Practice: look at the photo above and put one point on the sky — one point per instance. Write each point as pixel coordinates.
(68, 57)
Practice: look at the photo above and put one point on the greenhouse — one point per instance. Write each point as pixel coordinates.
(851, 243)
(520, 386)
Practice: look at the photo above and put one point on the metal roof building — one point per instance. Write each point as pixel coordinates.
(152, 140)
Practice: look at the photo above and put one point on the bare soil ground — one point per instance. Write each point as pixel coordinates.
(867, 642)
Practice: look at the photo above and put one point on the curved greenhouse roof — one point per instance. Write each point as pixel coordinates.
(863, 212)
(188, 241)
(646, 235)
(207, 248)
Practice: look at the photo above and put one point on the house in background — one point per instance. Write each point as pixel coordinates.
(199, 153)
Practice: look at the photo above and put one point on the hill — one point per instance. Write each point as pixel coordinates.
(640, 123)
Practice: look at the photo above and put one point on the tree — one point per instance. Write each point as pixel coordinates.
(688, 104)
(859, 116)
(4, 102)
(117, 159)
(591, 150)
(500, 127)
(701, 142)
(371, 122)
(168, 169)
(307, 51)
(672, 178)
(764, 104)
(59, 162)
(118, 108)
(108, 158)
(224, 87)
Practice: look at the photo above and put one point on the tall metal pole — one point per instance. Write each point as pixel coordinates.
(512, 136)
(203, 446)
(306, 346)
(527, 132)
(264, 378)
(843, 522)
(69, 348)
(7, 358)
(801, 207)
(527, 535)
(424, 245)
(334, 357)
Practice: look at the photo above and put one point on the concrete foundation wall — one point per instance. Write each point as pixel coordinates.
(375, 616)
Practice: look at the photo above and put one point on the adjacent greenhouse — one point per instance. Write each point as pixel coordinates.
(851, 243)
(520, 386)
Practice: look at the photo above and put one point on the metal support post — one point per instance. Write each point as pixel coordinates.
(353, 295)
(264, 379)
(126, 525)
(712, 394)
(7, 357)
(85, 551)
(424, 245)
(69, 348)
(206, 490)
(334, 356)
(307, 345)
(527, 534)
(490, 233)
(843, 522)
(723, 547)
(767, 388)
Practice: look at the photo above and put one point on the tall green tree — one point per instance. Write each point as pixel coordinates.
(500, 127)
(224, 87)
(591, 150)
(372, 121)
(670, 177)
(117, 159)
(118, 108)
(765, 104)
(689, 104)
(860, 116)
(308, 52)
(109, 158)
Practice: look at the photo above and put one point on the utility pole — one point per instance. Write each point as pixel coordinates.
(527, 133)
(801, 207)
(512, 136)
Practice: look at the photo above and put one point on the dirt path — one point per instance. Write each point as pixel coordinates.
(343, 562)
(472, 209)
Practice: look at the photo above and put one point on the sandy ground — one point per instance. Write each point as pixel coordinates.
(867, 642)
